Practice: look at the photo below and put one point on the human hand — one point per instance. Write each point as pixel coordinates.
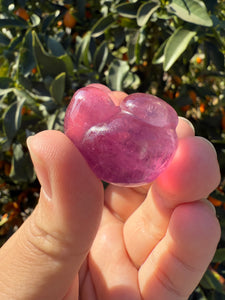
(151, 242)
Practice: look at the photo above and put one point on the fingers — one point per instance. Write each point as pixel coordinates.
(178, 262)
(52, 244)
(192, 175)
(123, 201)
(117, 97)
(184, 128)
(113, 274)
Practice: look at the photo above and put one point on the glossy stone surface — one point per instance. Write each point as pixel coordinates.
(130, 144)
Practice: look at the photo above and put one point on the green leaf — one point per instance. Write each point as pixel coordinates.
(68, 63)
(31, 101)
(131, 80)
(15, 42)
(159, 56)
(209, 281)
(128, 10)
(26, 59)
(132, 39)
(55, 47)
(47, 21)
(12, 119)
(128, 22)
(57, 88)
(145, 12)
(119, 37)
(140, 47)
(22, 169)
(35, 20)
(102, 24)
(4, 40)
(101, 55)
(13, 23)
(82, 54)
(219, 256)
(6, 85)
(118, 69)
(176, 45)
(49, 65)
(5, 82)
(193, 11)
(56, 120)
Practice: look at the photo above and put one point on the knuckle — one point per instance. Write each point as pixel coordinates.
(44, 243)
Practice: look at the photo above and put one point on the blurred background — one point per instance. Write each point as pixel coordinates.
(48, 49)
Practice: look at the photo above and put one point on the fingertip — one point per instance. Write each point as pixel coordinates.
(179, 260)
(193, 173)
(57, 236)
(117, 97)
(197, 225)
(42, 142)
(193, 233)
(184, 128)
(75, 192)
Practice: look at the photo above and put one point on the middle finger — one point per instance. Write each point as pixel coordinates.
(191, 176)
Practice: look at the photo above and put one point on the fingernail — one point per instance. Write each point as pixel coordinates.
(188, 122)
(210, 205)
(40, 166)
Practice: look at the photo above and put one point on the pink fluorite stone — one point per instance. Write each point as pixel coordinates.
(130, 144)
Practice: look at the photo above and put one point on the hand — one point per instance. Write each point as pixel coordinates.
(150, 242)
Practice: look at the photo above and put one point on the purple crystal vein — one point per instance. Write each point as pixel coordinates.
(130, 144)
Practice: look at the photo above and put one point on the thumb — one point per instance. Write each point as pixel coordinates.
(42, 259)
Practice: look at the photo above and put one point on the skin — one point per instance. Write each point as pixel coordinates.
(149, 242)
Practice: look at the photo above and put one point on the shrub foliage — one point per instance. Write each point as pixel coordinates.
(48, 49)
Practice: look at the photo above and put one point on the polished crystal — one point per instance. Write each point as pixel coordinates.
(130, 144)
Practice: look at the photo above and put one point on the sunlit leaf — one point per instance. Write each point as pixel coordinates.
(131, 80)
(176, 45)
(118, 69)
(68, 63)
(57, 88)
(56, 120)
(22, 169)
(82, 54)
(35, 20)
(128, 10)
(49, 65)
(101, 56)
(193, 11)
(159, 56)
(132, 40)
(209, 281)
(12, 119)
(145, 11)
(102, 24)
